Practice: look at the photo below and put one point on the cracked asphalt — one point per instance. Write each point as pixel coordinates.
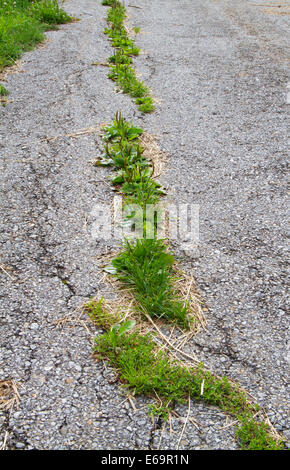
(219, 71)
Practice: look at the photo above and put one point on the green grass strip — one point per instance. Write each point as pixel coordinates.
(121, 70)
(134, 177)
(22, 26)
(3, 95)
(146, 371)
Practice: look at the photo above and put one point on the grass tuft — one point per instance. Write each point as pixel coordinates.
(134, 177)
(256, 436)
(146, 370)
(144, 265)
(147, 267)
(96, 311)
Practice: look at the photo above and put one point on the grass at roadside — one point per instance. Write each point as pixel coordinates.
(22, 24)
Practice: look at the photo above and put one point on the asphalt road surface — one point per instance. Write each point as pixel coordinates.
(219, 72)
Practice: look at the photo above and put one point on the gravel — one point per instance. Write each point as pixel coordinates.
(219, 70)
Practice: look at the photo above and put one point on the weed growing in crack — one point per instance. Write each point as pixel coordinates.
(134, 177)
(3, 91)
(120, 62)
(97, 312)
(146, 370)
(255, 436)
(145, 104)
(147, 267)
(3, 95)
(144, 265)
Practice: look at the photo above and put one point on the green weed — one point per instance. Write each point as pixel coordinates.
(144, 370)
(95, 309)
(146, 266)
(49, 12)
(110, 3)
(145, 104)
(3, 91)
(121, 70)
